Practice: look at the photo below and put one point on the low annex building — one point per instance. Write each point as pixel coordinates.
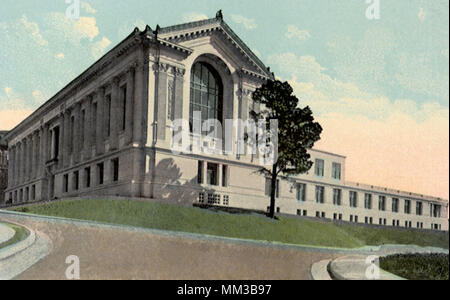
(109, 132)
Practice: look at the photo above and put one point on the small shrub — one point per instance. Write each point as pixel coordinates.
(417, 266)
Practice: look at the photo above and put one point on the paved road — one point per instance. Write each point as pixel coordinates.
(111, 253)
(6, 233)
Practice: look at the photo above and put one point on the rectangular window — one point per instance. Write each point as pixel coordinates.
(123, 93)
(100, 173)
(319, 167)
(324, 215)
(436, 210)
(317, 214)
(55, 142)
(224, 175)
(108, 115)
(299, 212)
(419, 208)
(353, 197)
(407, 207)
(76, 180)
(301, 192)
(66, 183)
(320, 194)
(368, 201)
(395, 205)
(351, 218)
(381, 203)
(337, 195)
(33, 192)
(200, 172)
(115, 167)
(336, 171)
(87, 177)
(211, 175)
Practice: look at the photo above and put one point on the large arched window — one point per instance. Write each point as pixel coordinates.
(206, 94)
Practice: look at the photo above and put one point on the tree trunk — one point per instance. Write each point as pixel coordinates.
(273, 191)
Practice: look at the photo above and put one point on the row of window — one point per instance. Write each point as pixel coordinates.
(435, 210)
(367, 220)
(55, 131)
(212, 174)
(100, 178)
(23, 195)
(319, 169)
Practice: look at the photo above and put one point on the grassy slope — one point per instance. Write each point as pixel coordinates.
(189, 219)
(20, 234)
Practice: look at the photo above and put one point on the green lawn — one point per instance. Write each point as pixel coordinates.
(417, 266)
(195, 220)
(20, 234)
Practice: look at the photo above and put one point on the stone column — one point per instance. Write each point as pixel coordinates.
(179, 84)
(161, 101)
(61, 153)
(205, 172)
(11, 167)
(66, 140)
(100, 130)
(19, 162)
(138, 113)
(77, 134)
(42, 152)
(129, 107)
(88, 130)
(31, 156)
(219, 175)
(25, 159)
(38, 154)
(115, 115)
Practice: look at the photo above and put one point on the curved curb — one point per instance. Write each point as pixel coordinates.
(355, 267)
(20, 246)
(319, 270)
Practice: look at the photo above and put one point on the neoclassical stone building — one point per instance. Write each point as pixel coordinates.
(109, 132)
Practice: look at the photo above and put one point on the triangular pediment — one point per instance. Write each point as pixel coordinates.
(217, 28)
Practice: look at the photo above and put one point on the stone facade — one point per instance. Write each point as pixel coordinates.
(109, 132)
(3, 165)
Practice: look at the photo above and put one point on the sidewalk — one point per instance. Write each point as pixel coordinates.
(6, 233)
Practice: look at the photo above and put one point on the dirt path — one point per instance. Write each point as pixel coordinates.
(124, 254)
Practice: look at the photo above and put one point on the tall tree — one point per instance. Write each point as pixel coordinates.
(297, 131)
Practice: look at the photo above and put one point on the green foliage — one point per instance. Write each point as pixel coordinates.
(297, 131)
(255, 227)
(417, 266)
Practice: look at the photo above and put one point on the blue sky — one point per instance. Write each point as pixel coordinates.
(387, 76)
